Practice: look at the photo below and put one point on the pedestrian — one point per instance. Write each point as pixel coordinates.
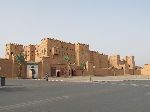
(46, 76)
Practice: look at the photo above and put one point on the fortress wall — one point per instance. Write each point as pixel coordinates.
(6, 68)
(146, 70)
(103, 61)
(137, 72)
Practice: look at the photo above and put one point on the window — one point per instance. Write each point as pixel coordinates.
(11, 53)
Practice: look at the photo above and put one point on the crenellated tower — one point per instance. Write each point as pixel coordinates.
(130, 61)
(13, 49)
(29, 52)
(82, 53)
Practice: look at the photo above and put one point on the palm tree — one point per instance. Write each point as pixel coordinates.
(83, 66)
(67, 59)
(20, 60)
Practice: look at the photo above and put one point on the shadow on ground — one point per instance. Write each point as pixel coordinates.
(12, 88)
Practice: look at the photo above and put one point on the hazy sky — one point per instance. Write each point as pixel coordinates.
(109, 26)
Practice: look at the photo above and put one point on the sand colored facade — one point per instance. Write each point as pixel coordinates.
(48, 57)
(146, 69)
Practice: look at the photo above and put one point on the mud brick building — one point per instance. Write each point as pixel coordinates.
(48, 57)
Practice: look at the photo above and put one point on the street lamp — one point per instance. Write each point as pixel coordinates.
(0, 69)
(93, 73)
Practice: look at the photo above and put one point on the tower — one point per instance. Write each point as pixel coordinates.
(130, 61)
(82, 53)
(29, 52)
(13, 49)
(114, 61)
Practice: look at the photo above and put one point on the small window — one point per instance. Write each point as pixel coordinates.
(11, 53)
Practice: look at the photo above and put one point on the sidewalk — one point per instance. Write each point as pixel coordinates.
(101, 78)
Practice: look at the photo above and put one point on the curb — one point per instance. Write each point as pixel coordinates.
(56, 80)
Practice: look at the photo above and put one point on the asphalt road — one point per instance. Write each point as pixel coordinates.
(41, 96)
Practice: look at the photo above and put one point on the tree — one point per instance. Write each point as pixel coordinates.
(67, 59)
(83, 66)
(20, 60)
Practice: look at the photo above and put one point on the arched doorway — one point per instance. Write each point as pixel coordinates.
(33, 73)
(58, 73)
(73, 72)
(32, 70)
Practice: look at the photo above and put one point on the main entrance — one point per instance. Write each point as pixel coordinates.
(32, 70)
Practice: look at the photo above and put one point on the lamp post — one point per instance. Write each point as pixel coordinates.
(93, 73)
(0, 70)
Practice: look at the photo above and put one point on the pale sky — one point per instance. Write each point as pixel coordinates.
(108, 26)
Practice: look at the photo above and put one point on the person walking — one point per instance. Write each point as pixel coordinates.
(46, 76)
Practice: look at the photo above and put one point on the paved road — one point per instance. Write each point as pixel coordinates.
(41, 96)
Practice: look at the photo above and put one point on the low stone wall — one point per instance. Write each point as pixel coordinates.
(145, 71)
(137, 72)
(102, 72)
(6, 68)
(119, 72)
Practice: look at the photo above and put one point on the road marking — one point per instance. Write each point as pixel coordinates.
(60, 98)
(146, 85)
(36, 102)
(122, 84)
(135, 85)
(65, 97)
(113, 83)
